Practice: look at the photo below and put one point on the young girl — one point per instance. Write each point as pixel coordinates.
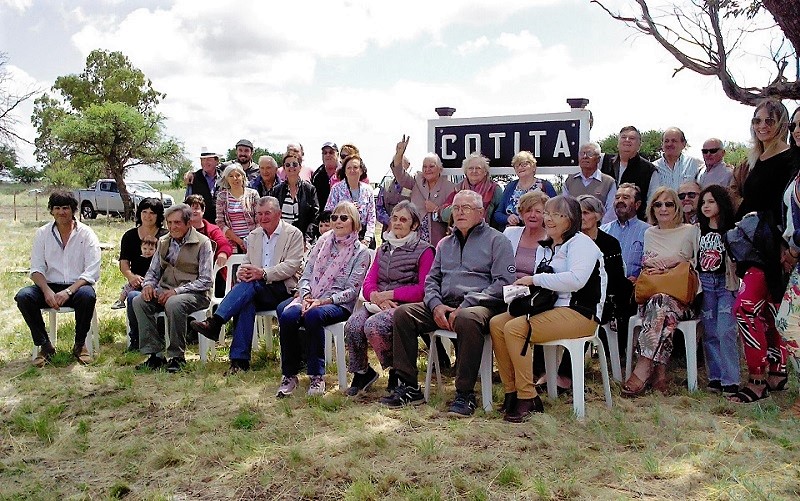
(720, 284)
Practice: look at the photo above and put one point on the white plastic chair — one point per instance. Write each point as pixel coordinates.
(92, 337)
(263, 328)
(198, 315)
(204, 345)
(689, 330)
(576, 348)
(485, 371)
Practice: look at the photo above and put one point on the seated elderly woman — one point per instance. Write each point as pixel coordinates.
(236, 207)
(476, 178)
(328, 291)
(618, 288)
(667, 243)
(577, 276)
(397, 276)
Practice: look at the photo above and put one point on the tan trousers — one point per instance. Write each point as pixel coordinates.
(508, 337)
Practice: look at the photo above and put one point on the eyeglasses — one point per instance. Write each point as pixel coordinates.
(658, 205)
(769, 122)
(711, 151)
(587, 154)
(552, 215)
(691, 194)
(632, 137)
(466, 209)
(291, 164)
(401, 219)
(336, 217)
(793, 126)
(328, 152)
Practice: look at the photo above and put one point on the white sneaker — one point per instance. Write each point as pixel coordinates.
(317, 386)
(118, 305)
(288, 384)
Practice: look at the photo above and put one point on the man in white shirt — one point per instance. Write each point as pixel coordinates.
(65, 264)
(674, 167)
(266, 278)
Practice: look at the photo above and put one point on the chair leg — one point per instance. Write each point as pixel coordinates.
(632, 323)
(486, 374)
(576, 351)
(429, 372)
(689, 330)
(613, 350)
(94, 331)
(205, 345)
(604, 374)
(328, 346)
(551, 367)
(341, 364)
(268, 332)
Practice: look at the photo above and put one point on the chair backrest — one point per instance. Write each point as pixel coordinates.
(232, 266)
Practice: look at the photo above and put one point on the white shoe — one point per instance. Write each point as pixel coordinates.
(317, 386)
(288, 384)
(118, 305)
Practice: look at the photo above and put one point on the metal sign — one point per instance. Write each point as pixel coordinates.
(553, 138)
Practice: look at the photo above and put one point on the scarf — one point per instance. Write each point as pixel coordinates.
(485, 189)
(329, 265)
(396, 243)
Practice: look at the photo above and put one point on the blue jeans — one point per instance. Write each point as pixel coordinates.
(244, 299)
(133, 325)
(30, 301)
(720, 341)
(314, 322)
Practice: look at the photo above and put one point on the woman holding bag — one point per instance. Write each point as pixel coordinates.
(668, 244)
(577, 266)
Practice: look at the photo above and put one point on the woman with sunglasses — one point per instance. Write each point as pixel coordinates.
(578, 273)
(397, 276)
(298, 198)
(327, 294)
(771, 165)
(353, 188)
(667, 243)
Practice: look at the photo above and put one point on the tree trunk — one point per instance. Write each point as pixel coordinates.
(787, 15)
(127, 202)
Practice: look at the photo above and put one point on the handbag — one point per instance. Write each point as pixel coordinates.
(539, 300)
(680, 282)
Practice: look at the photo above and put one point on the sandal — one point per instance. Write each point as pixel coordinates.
(748, 396)
(781, 383)
(635, 387)
(662, 380)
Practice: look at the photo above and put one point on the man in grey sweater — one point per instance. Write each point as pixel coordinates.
(464, 289)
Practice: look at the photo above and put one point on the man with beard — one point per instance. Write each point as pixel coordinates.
(629, 230)
(244, 155)
(689, 195)
(628, 167)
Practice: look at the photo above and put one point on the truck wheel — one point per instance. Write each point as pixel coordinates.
(87, 211)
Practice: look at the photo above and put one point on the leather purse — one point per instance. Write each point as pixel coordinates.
(680, 282)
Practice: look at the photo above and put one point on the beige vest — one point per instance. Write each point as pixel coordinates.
(187, 264)
(598, 189)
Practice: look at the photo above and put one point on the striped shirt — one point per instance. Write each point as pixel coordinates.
(237, 218)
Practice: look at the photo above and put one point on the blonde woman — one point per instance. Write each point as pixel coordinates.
(524, 164)
(236, 207)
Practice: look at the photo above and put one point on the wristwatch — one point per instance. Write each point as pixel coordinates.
(69, 292)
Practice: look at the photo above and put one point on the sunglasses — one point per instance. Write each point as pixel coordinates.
(692, 195)
(668, 205)
(336, 217)
(793, 126)
(769, 122)
(401, 219)
(707, 151)
(291, 164)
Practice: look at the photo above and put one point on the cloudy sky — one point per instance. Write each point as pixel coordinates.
(368, 72)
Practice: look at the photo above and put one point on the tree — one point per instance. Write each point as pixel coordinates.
(735, 153)
(9, 102)
(650, 149)
(707, 37)
(106, 116)
(8, 157)
(26, 175)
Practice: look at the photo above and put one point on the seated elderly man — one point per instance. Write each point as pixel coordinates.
(177, 283)
(464, 289)
(266, 278)
(65, 264)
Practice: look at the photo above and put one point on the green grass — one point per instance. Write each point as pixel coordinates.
(120, 433)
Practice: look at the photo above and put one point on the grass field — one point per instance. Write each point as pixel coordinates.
(106, 431)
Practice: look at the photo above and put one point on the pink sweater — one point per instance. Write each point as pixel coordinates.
(405, 293)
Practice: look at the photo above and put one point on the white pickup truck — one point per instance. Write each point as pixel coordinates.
(103, 197)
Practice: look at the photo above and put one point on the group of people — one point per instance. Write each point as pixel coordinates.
(447, 251)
